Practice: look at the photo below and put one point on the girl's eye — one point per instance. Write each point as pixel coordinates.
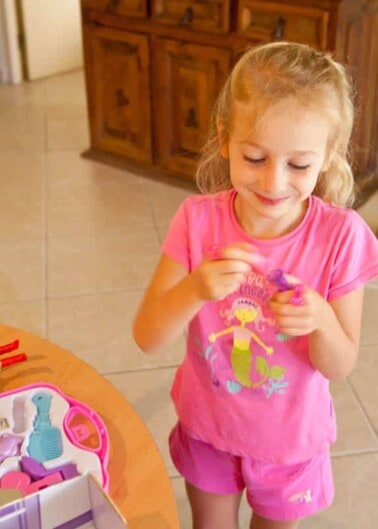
(254, 160)
(299, 167)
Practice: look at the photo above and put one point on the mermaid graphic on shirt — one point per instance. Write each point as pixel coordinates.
(247, 311)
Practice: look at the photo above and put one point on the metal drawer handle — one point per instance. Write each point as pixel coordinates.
(278, 33)
(187, 17)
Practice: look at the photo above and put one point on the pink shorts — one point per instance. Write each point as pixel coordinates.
(275, 492)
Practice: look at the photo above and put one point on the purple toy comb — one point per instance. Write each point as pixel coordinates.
(278, 278)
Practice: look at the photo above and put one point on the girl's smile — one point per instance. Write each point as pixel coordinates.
(271, 201)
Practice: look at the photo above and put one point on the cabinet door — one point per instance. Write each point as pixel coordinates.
(188, 80)
(132, 8)
(266, 21)
(359, 45)
(118, 77)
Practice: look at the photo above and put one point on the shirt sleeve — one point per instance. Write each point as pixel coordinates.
(176, 242)
(356, 260)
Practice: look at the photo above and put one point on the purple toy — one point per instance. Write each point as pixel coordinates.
(10, 445)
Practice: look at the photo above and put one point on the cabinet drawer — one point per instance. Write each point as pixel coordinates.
(188, 79)
(268, 21)
(118, 81)
(132, 8)
(200, 15)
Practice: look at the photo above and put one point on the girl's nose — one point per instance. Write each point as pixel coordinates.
(273, 179)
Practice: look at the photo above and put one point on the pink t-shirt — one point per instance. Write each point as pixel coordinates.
(243, 386)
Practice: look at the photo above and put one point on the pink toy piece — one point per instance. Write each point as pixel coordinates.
(22, 482)
(15, 480)
(51, 479)
(91, 436)
(297, 298)
(84, 430)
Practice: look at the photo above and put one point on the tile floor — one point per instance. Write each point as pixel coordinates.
(78, 242)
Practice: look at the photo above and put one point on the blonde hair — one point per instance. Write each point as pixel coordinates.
(265, 75)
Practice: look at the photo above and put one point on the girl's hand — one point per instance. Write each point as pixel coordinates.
(222, 273)
(298, 319)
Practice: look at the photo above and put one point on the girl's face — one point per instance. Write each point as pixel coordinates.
(275, 168)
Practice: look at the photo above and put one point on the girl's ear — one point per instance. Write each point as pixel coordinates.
(223, 143)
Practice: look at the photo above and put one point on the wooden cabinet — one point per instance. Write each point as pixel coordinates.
(132, 8)
(154, 68)
(188, 78)
(118, 74)
(197, 15)
(357, 42)
(270, 20)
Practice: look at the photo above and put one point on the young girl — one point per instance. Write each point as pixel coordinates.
(267, 270)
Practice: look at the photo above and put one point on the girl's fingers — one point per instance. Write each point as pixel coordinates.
(293, 318)
(230, 266)
(286, 308)
(294, 297)
(241, 251)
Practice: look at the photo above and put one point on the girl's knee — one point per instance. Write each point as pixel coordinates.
(258, 522)
(213, 511)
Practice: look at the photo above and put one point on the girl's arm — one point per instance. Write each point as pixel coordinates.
(174, 296)
(169, 304)
(334, 345)
(333, 328)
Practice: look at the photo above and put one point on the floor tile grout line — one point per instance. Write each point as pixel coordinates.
(76, 295)
(355, 454)
(45, 219)
(363, 410)
(105, 234)
(154, 221)
(97, 293)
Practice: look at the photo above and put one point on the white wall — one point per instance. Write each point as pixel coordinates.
(4, 70)
(52, 30)
(52, 35)
(10, 59)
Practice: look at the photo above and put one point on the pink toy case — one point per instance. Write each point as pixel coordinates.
(47, 437)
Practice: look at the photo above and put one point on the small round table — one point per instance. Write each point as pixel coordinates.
(139, 483)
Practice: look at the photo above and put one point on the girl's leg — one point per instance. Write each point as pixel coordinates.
(262, 523)
(213, 511)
